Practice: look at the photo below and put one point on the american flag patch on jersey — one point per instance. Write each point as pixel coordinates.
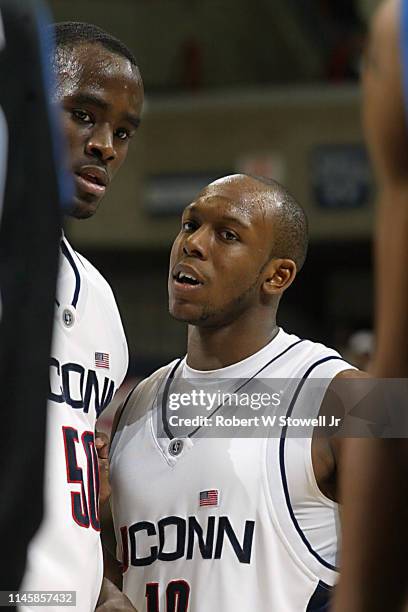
(102, 360)
(209, 498)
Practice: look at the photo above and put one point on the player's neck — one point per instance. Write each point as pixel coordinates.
(212, 349)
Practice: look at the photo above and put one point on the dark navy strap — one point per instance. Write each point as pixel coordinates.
(70, 259)
(321, 598)
(282, 461)
(170, 377)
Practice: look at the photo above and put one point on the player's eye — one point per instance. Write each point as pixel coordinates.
(123, 134)
(82, 115)
(189, 226)
(229, 235)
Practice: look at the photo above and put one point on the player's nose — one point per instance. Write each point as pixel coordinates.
(197, 244)
(101, 144)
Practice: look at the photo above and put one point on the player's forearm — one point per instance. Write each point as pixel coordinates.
(111, 568)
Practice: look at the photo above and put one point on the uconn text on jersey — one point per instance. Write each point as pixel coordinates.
(186, 537)
(77, 386)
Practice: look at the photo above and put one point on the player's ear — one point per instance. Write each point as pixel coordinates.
(278, 275)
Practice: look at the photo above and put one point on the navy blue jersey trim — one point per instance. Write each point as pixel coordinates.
(79, 259)
(170, 377)
(72, 263)
(321, 598)
(166, 426)
(282, 462)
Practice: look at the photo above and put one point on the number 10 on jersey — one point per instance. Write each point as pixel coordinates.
(177, 596)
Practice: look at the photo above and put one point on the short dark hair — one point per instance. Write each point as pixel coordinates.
(291, 233)
(70, 33)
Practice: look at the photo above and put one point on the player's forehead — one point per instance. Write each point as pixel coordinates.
(90, 64)
(236, 196)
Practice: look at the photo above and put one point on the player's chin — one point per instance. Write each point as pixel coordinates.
(193, 314)
(84, 209)
(185, 311)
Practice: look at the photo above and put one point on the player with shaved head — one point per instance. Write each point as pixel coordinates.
(245, 520)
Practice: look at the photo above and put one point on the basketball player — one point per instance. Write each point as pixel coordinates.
(101, 93)
(239, 523)
(374, 574)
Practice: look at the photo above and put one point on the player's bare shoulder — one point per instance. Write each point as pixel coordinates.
(346, 391)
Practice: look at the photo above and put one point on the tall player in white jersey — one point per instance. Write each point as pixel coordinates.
(239, 523)
(101, 93)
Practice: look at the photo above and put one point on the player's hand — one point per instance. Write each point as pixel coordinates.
(111, 599)
(102, 448)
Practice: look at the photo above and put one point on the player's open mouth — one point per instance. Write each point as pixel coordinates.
(91, 183)
(186, 281)
(182, 278)
(186, 278)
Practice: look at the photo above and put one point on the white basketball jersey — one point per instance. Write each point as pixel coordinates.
(89, 360)
(232, 524)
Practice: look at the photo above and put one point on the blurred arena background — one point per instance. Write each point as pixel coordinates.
(264, 86)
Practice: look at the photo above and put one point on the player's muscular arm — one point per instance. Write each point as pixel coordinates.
(343, 394)
(368, 498)
(374, 486)
(385, 126)
(374, 496)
